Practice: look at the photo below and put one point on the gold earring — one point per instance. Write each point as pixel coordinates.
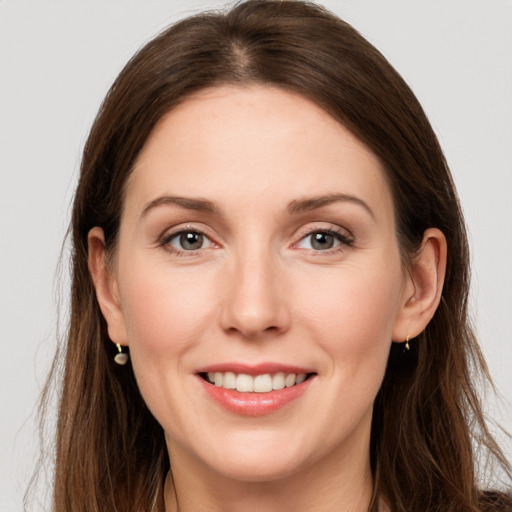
(121, 357)
(407, 347)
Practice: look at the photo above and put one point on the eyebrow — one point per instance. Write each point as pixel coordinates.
(296, 206)
(197, 204)
(312, 203)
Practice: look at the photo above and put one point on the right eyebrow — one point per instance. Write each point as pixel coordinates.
(189, 203)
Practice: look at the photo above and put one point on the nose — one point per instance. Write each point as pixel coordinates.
(254, 304)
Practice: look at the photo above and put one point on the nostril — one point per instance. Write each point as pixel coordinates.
(253, 332)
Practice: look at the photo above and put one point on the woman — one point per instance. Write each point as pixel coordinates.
(266, 228)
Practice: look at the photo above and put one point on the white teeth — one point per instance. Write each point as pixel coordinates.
(289, 381)
(259, 384)
(278, 381)
(301, 377)
(244, 383)
(263, 383)
(229, 380)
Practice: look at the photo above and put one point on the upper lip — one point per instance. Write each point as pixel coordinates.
(254, 369)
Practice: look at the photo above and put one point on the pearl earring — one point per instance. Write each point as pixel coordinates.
(121, 357)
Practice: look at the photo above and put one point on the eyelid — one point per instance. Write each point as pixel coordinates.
(343, 235)
(327, 227)
(178, 235)
(170, 234)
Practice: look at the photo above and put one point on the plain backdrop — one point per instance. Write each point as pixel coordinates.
(57, 60)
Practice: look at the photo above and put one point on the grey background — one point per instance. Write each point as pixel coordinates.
(57, 59)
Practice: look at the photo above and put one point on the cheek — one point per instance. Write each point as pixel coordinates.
(166, 316)
(353, 313)
(164, 311)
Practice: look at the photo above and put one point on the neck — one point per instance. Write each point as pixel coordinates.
(339, 482)
(279, 496)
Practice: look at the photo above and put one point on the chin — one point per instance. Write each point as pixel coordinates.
(258, 471)
(259, 458)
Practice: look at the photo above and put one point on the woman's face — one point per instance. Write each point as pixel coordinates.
(257, 248)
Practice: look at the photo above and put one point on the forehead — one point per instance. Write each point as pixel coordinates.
(257, 141)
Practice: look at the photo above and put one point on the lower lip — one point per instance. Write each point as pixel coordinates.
(254, 404)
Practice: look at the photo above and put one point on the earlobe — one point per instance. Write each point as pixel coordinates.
(422, 292)
(105, 284)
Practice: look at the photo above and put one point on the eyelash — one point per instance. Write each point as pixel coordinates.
(344, 239)
(165, 242)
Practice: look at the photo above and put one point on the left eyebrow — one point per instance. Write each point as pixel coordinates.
(312, 203)
(188, 203)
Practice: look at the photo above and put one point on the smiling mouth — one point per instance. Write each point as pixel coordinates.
(264, 383)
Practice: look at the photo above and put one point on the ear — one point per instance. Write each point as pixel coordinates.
(105, 283)
(423, 287)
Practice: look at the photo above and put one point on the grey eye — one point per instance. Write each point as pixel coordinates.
(189, 241)
(322, 241)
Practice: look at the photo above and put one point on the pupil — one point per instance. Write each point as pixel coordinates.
(322, 241)
(191, 241)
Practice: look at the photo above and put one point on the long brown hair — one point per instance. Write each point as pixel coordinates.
(110, 452)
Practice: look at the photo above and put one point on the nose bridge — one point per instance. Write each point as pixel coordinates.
(254, 303)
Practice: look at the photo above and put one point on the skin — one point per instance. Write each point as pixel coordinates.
(258, 290)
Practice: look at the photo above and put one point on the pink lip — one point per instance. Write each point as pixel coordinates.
(253, 404)
(258, 369)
